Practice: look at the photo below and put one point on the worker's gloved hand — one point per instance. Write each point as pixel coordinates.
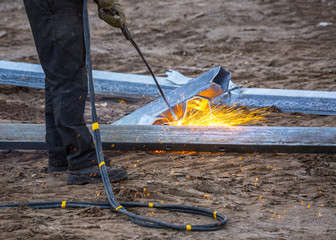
(111, 12)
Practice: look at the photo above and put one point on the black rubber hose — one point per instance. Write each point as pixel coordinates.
(112, 201)
(96, 134)
(106, 205)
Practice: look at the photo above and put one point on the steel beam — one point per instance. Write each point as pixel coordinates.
(309, 102)
(182, 138)
(131, 85)
(107, 83)
(209, 85)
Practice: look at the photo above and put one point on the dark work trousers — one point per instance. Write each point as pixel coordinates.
(57, 27)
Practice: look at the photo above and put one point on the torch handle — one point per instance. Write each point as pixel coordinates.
(126, 33)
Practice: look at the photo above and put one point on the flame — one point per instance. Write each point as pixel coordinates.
(199, 112)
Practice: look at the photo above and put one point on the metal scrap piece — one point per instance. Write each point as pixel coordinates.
(209, 85)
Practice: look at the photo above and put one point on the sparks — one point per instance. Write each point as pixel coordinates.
(200, 113)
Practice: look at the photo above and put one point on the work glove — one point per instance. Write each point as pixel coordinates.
(111, 12)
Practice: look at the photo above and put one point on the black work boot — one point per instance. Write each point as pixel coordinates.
(92, 175)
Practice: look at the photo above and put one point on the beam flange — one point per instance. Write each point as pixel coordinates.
(182, 138)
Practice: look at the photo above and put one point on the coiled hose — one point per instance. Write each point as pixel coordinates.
(113, 203)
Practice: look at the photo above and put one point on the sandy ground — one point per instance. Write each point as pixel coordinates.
(264, 43)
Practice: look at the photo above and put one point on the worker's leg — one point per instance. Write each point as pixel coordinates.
(57, 27)
(58, 32)
(57, 153)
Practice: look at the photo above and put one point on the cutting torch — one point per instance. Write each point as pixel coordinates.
(128, 36)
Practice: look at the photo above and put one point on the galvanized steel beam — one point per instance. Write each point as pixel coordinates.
(182, 138)
(309, 102)
(209, 85)
(120, 84)
(106, 83)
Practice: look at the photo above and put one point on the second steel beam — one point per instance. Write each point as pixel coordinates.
(182, 138)
(131, 85)
(209, 85)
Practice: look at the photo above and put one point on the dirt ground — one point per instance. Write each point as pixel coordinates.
(264, 43)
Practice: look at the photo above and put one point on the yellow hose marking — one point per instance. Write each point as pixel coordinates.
(95, 126)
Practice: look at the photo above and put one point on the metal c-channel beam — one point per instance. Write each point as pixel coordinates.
(209, 85)
(131, 85)
(182, 138)
(309, 102)
(106, 83)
